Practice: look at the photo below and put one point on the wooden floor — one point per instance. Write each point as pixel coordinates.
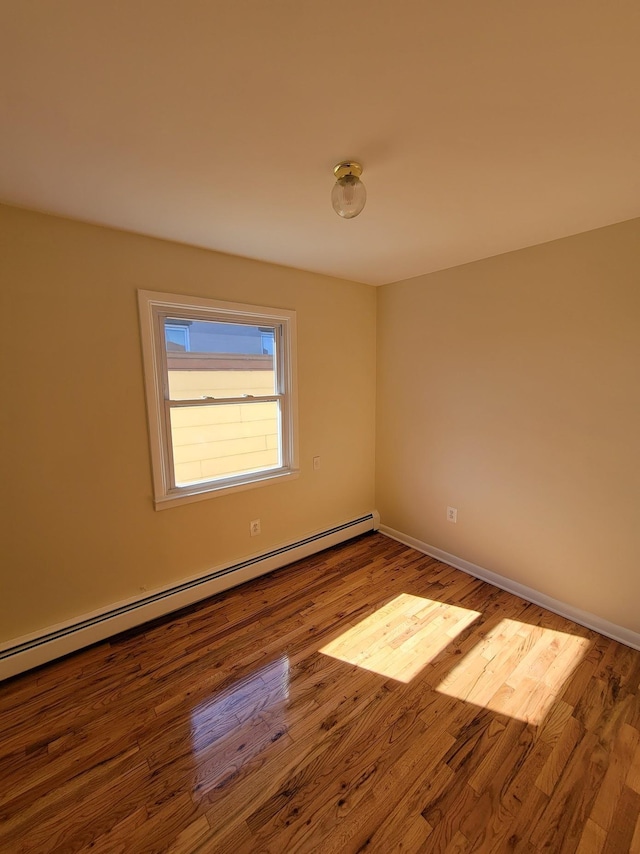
(366, 699)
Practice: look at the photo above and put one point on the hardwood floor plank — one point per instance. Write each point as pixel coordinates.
(592, 840)
(557, 762)
(634, 848)
(526, 822)
(620, 833)
(613, 784)
(58, 806)
(389, 832)
(96, 812)
(570, 803)
(633, 775)
(250, 723)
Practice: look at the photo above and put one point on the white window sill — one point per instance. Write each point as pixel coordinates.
(186, 497)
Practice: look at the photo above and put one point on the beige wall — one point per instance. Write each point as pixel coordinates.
(507, 388)
(510, 389)
(79, 530)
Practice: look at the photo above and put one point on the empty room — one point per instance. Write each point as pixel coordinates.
(320, 427)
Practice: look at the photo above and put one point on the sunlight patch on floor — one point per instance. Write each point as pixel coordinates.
(518, 669)
(402, 637)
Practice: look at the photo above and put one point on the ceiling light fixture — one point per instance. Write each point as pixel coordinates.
(349, 193)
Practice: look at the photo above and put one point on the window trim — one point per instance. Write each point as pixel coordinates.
(152, 307)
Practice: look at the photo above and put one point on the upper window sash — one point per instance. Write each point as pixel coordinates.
(281, 356)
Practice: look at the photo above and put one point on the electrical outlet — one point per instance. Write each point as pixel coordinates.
(254, 527)
(452, 514)
(316, 463)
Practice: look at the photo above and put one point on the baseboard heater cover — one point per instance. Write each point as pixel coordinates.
(583, 618)
(24, 653)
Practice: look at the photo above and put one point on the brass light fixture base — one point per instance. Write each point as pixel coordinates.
(347, 167)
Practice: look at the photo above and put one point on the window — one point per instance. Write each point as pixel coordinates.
(176, 336)
(220, 381)
(267, 341)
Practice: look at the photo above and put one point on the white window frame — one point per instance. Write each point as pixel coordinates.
(154, 309)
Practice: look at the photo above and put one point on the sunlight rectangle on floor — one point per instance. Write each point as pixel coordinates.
(401, 638)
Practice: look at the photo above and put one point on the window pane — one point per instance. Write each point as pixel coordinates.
(176, 338)
(219, 359)
(212, 442)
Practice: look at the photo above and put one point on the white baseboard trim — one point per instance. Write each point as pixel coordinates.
(583, 618)
(24, 653)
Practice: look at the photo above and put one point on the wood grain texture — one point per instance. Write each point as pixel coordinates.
(365, 699)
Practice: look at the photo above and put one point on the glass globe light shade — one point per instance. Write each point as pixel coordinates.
(348, 196)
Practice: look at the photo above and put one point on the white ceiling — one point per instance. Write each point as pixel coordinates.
(482, 126)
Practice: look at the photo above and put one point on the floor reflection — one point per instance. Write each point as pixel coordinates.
(231, 728)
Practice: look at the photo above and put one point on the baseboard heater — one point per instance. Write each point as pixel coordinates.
(29, 651)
